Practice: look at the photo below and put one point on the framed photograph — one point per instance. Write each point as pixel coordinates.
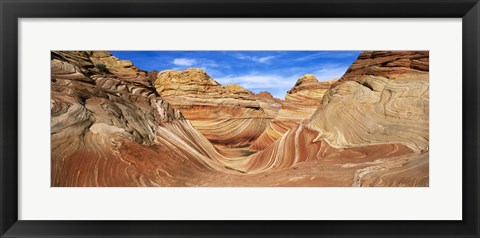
(239, 118)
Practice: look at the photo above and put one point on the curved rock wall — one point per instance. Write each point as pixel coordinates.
(110, 127)
(114, 131)
(300, 102)
(378, 101)
(227, 115)
(380, 104)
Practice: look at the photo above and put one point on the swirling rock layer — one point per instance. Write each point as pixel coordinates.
(377, 101)
(379, 105)
(389, 64)
(113, 131)
(110, 127)
(304, 97)
(300, 102)
(226, 115)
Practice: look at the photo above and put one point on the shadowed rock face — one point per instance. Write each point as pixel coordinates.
(227, 115)
(111, 127)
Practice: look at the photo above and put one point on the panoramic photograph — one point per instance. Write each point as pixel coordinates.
(239, 118)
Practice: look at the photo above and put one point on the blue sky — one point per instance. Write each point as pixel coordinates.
(272, 71)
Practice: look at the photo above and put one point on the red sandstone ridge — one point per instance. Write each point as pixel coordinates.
(304, 97)
(390, 64)
(270, 104)
(264, 95)
(300, 102)
(227, 115)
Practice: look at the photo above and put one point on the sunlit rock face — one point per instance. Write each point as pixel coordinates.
(116, 131)
(396, 65)
(300, 102)
(227, 115)
(105, 62)
(380, 104)
(385, 95)
(114, 125)
(304, 97)
(268, 103)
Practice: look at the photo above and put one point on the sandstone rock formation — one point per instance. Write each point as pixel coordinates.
(304, 97)
(111, 127)
(381, 102)
(227, 115)
(268, 103)
(390, 64)
(386, 95)
(105, 62)
(108, 130)
(300, 102)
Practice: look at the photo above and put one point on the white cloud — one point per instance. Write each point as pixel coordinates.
(184, 62)
(262, 60)
(209, 63)
(275, 84)
(327, 73)
(322, 72)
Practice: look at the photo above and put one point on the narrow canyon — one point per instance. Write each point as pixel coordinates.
(115, 125)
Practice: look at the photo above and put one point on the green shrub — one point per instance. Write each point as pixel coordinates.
(102, 68)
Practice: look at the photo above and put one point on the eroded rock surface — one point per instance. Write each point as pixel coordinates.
(227, 115)
(111, 130)
(381, 102)
(111, 127)
(300, 102)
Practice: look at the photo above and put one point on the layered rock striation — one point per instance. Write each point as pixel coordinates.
(304, 97)
(382, 103)
(106, 63)
(112, 130)
(386, 95)
(300, 102)
(227, 115)
(111, 127)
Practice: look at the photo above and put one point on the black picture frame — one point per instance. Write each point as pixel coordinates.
(12, 10)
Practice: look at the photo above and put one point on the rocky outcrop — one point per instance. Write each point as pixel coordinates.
(300, 102)
(388, 101)
(381, 102)
(264, 95)
(226, 115)
(111, 127)
(268, 103)
(394, 65)
(109, 130)
(105, 62)
(304, 97)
